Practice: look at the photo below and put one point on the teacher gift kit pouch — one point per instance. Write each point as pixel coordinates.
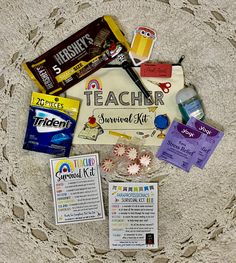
(112, 104)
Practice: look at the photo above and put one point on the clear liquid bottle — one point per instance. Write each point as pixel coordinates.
(189, 104)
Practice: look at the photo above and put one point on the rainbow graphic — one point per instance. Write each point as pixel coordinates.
(65, 166)
(93, 84)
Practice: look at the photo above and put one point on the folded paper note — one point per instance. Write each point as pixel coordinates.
(112, 104)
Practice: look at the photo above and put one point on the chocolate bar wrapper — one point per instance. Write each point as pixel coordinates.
(78, 56)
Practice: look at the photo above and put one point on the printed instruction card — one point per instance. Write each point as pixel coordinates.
(133, 215)
(76, 185)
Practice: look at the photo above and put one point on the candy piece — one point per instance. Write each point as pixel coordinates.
(145, 160)
(132, 153)
(119, 150)
(133, 169)
(107, 165)
(101, 36)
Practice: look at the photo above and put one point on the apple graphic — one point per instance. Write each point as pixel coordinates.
(92, 120)
(112, 46)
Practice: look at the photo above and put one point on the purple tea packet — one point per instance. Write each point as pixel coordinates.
(210, 142)
(181, 145)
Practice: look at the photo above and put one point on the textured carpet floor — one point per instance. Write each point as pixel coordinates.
(197, 218)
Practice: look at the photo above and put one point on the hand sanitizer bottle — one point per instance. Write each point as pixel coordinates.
(189, 104)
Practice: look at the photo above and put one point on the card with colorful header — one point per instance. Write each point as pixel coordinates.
(112, 105)
(133, 215)
(76, 186)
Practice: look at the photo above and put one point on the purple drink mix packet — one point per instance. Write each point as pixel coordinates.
(210, 142)
(180, 146)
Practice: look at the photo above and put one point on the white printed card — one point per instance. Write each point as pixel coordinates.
(133, 216)
(76, 185)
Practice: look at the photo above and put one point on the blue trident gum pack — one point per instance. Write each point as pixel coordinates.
(51, 124)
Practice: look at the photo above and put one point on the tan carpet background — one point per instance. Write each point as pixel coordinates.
(197, 218)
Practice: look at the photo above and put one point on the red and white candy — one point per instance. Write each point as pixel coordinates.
(133, 169)
(145, 160)
(119, 150)
(107, 165)
(132, 153)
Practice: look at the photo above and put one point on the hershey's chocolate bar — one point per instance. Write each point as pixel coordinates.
(78, 56)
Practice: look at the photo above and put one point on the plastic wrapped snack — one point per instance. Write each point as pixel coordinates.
(51, 124)
(78, 56)
(128, 157)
